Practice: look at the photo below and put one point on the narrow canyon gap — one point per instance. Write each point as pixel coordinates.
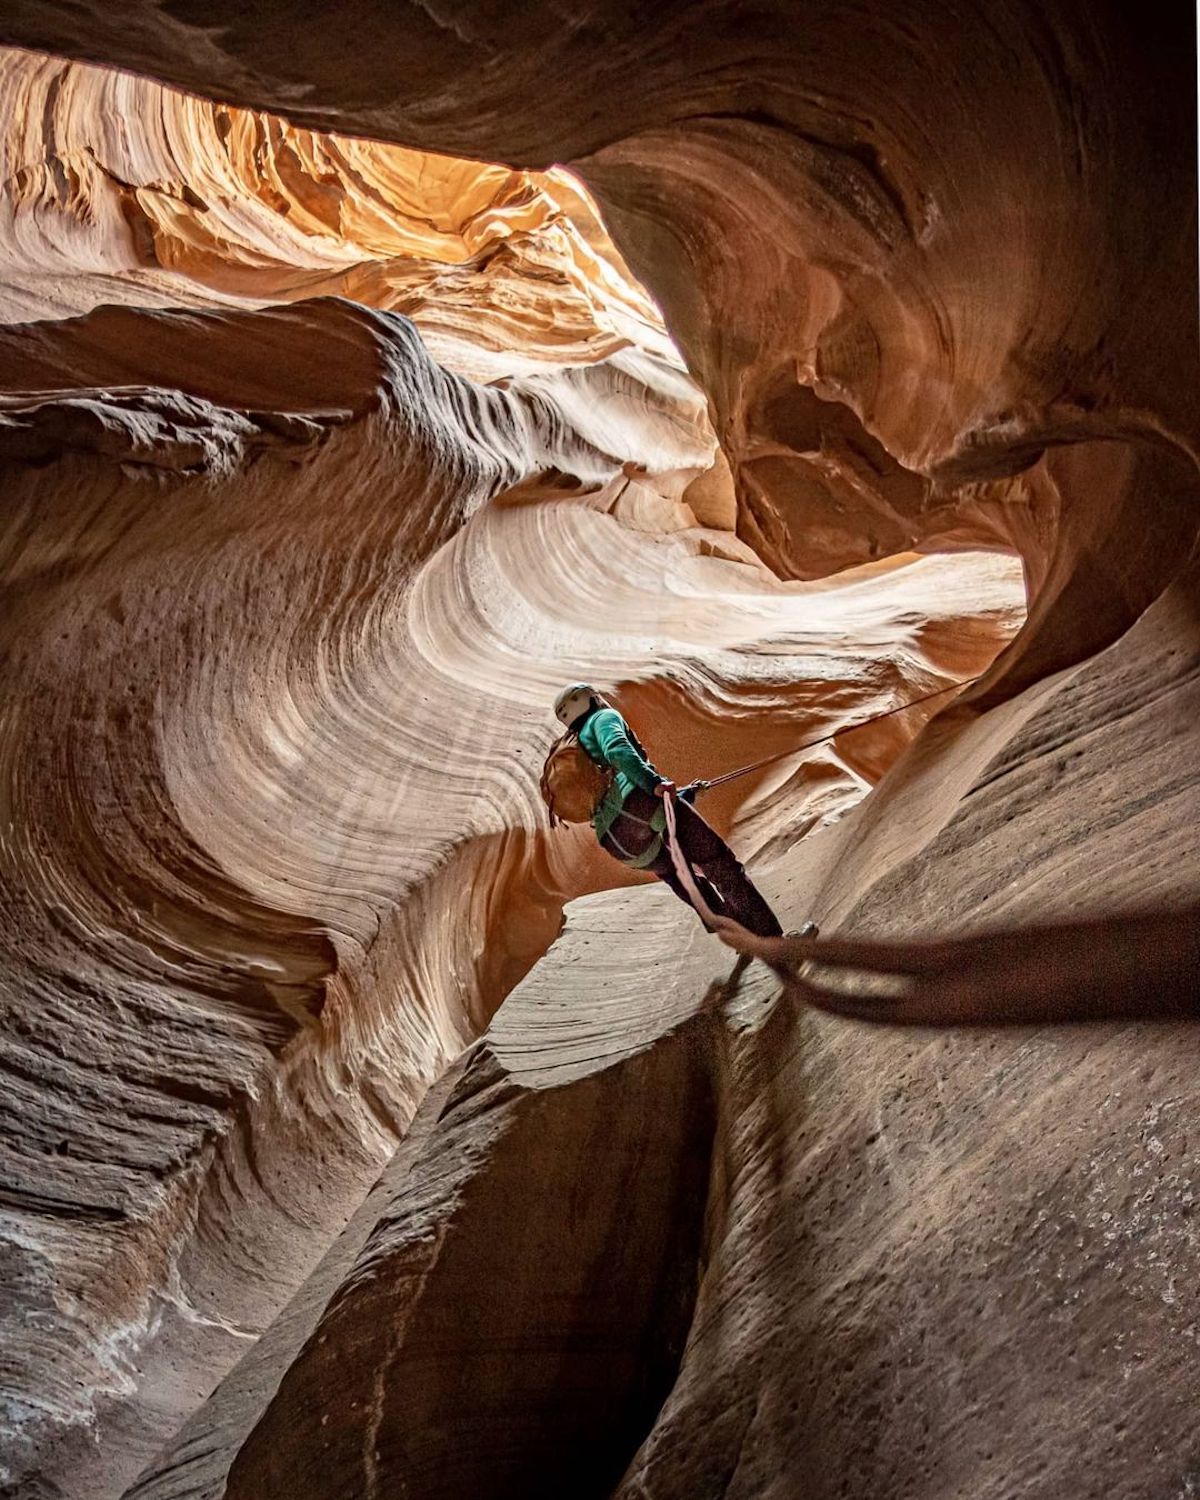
(364, 376)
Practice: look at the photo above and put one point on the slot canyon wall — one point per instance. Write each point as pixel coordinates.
(326, 460)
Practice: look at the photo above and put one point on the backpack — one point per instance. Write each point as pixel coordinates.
(572, 783)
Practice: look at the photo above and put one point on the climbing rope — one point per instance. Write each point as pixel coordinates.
(683, 866)
(683, 869)
(767, 760)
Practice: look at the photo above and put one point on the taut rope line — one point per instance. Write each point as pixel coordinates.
(683, 868)
(833, 734)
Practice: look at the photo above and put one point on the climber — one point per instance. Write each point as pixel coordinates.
(629, 818)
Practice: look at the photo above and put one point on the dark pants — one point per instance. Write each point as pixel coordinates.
(722, 882)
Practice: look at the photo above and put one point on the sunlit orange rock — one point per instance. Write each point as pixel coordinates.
(326, 460)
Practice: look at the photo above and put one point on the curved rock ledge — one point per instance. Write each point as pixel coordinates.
(263, 893)
(118, 189)
(836, 208)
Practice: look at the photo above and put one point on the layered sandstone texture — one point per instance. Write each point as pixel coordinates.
(663, 1232)
(790, 351)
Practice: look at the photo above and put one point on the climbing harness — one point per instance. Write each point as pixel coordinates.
(638, 860)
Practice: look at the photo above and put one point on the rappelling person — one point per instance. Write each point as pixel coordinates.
(599, 773)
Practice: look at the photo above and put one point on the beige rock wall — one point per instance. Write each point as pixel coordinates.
(276, 665)
(931, 1263)
(272, 744)
(939, 227)
(118, 189)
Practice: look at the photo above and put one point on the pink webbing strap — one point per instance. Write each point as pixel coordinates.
(682, 868)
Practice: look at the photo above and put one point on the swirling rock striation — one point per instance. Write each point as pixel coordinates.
(277, 659)
(928, 240)
(273, 742)
(926, 1264)
(118, 189)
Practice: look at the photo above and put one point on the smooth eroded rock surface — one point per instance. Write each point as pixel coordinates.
(932, 1263)
(771, 367)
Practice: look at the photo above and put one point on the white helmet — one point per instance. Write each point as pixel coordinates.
(577, 699)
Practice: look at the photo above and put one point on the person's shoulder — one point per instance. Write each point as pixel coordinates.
(605, 718)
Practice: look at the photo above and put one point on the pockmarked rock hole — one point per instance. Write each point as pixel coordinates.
(598, 761)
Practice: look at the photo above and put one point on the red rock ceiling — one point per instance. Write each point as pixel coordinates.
(287, 589)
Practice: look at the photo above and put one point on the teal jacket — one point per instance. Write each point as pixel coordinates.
(610, 742)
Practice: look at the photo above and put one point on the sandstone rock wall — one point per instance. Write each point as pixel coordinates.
(931, 1263)
(276, 781)
(276, 664)
(937, 227)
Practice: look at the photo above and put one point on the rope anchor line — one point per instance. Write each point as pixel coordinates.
(680, 860)
(767, 760)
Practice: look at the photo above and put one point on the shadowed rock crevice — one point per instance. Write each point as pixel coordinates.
(522, 1307)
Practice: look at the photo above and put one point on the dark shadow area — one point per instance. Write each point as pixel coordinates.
(516, 1322)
